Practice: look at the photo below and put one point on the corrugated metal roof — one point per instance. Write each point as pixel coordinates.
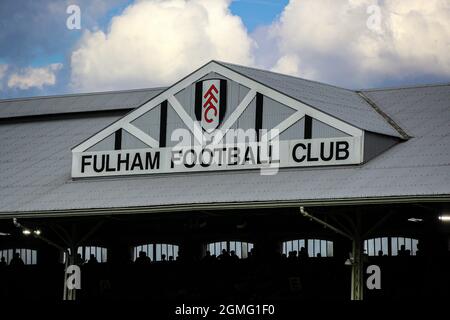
(35, 163)
(341, 103)
(73, 103)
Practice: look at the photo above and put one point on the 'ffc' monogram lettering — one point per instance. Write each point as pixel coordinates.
(209, 104)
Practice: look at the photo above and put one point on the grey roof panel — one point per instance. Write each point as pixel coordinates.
(419, 110)
(103, 101)
(35, 163)
(341, 103)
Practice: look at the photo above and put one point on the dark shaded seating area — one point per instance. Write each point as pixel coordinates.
(276, 278)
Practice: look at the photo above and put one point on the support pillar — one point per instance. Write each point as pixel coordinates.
(357, 292)
(69, 294)
(357, 262)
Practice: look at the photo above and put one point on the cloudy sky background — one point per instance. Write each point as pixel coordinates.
(125, 44)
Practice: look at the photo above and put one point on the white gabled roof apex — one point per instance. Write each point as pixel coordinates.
(255, 86)
(341, 108)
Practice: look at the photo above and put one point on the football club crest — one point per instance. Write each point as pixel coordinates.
(210, 103)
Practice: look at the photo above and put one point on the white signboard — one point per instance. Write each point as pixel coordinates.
(280, 154)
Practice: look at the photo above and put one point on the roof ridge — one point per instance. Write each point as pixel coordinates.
(80, 94)
(414, 86)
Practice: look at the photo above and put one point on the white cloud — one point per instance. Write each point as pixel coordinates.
(3, 69)
(290, 64)
(155, 42)
(332, 40)
(34, 77)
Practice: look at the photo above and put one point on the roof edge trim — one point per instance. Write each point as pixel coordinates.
(407, 87)
(79, 94)
(228, 206)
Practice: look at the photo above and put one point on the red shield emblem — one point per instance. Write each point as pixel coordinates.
(210, 103)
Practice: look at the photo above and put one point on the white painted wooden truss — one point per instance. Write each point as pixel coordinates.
(302, 109)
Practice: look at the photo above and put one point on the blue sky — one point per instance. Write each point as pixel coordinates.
(255, 13)
(126, 44)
